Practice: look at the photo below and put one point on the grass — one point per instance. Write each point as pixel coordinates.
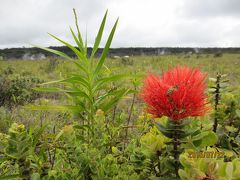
(227, 64)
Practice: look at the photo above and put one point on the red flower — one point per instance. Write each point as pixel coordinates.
(178, 94)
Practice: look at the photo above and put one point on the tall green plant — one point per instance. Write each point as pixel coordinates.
(88, 88)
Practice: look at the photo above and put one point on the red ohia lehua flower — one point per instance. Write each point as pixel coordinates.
(177, 94)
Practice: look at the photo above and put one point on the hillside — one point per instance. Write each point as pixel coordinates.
(35, 53)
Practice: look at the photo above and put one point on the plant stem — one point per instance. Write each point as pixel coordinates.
(176, 156)
(130, 114)
(176, 143)
(217, 99)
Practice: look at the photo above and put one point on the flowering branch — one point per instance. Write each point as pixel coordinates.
(178, 94)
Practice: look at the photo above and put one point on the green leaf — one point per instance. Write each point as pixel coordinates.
(163, 130)
(207, 138)
(99, 36)
(78, 31)
(197, 143)
(81, 127)
(105, 50)
(86, 43)
(74, 79)
(49, 90)
(77, 52)
(172, 127)
(78, 92)
(113, 78)
(172, 124)
(80, 46)
(114, 93)
(55, 52)
(201, 135)
(112, 102)
(37, 134)
(187, 133)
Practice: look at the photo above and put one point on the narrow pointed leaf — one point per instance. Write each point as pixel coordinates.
(108, 94)
(50, 90)
(79, 93)
(110, 79)
(163, 130)
(111, 103)
(187, 133)
(74, 79)
(59, 53)
(86, 41)
(105, 50)
(76, 23)
(99, 36)
(77, 52)
(80, 46)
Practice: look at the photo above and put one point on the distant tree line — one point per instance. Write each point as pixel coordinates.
(18, 53)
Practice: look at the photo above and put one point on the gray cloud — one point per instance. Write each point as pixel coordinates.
(142, 22)
(211, 8)
(26, 22)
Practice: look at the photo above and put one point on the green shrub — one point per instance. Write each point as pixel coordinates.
(16, 89)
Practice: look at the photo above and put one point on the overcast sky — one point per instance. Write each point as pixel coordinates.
(143, 23)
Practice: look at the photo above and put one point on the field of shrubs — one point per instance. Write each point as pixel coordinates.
(142, 117)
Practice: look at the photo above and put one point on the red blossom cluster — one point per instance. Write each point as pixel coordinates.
(177, 94)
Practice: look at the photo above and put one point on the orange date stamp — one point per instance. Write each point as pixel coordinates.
(206, 154)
